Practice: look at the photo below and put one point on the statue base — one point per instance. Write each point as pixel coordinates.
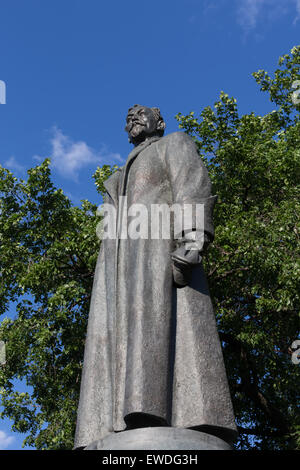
(159, 438)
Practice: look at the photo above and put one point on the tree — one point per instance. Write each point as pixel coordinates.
(49, 248)
(253, 267)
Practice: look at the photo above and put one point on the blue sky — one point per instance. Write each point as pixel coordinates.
(72, 68)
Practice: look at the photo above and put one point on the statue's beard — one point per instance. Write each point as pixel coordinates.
(136, 130)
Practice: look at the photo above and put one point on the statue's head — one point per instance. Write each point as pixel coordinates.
(143, 122)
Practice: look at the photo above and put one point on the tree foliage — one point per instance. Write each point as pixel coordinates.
(253, 265)
(49, 248)
(48, 253)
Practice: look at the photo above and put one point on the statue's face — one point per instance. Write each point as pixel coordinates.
(140, 124)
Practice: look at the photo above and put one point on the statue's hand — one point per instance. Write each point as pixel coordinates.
(183, 263)
(181, 274)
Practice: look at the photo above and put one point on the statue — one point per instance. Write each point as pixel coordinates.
(152, 354)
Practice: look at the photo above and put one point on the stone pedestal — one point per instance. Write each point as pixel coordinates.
(159, 438)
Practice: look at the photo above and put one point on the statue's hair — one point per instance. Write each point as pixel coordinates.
(161, 125)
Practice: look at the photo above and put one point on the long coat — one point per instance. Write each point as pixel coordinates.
(152, 347)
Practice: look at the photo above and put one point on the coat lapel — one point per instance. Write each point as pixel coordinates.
(112, 185)
(133, 154)
(116, 183)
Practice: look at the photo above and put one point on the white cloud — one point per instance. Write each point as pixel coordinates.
(68, 157)
(5, 440)
(298, 11)
(250, 11)
(12, 164)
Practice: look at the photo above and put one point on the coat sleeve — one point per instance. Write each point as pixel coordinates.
(190, 184)
(189, 180)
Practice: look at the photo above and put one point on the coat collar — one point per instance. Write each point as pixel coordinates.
(133, 154)
(139, 148)
(116, 183)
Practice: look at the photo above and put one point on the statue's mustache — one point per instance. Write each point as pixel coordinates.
(134, 123)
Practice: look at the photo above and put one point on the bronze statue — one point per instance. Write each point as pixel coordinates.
(152, 353)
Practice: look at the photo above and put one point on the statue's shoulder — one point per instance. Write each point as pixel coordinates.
(112, 181)
(115, 175)
(176, 137)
